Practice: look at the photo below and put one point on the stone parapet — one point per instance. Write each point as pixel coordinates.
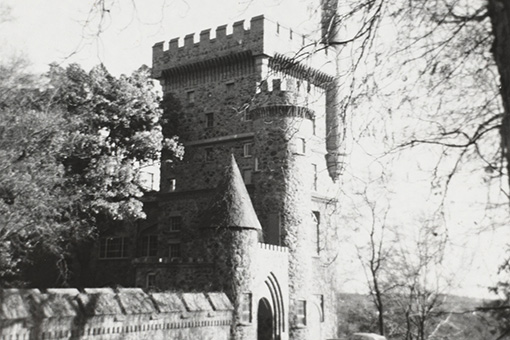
(264, 37)
(273, 247)
(105, 313)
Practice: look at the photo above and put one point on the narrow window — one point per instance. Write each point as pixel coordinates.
(230, 89)
(174, 249)
(246, 306)
(208, 154)
(209, 119)
(256, 164)
(320, 302)
(301, 146)
(314, 127)
(301, 313)
(150, 280)
(277, 84)
(247, 150)
(175, 223)
(190, 97)
(149, 246)
(247, 115)
(314, 171)
(273, 234)
(172, 182)
(247, 176)
(316, 232)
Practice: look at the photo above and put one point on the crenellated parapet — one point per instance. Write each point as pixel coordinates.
(261, 40)
(273, 247)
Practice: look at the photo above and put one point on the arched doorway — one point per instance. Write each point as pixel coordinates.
(264, 320)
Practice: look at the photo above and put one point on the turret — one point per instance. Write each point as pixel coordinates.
(231, 233)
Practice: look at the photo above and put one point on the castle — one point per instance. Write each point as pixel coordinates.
(250, 210)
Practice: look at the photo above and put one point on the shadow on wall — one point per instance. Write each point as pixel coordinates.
(128, 313)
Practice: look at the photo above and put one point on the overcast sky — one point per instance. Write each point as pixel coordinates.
(52, 30)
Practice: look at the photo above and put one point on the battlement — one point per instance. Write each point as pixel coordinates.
(263, 37)
(273, 247)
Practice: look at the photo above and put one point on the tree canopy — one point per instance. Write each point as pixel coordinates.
(72, 144)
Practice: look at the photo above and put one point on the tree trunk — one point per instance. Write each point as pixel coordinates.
(499, 12)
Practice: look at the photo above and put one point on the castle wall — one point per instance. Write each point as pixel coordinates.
(108, 314)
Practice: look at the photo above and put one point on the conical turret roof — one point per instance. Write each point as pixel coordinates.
(231, 206)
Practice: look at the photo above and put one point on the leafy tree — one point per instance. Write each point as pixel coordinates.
(71, 145)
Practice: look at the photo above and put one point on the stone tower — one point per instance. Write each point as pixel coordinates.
(259, 94)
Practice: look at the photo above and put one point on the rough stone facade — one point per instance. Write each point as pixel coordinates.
(103, 313)
(258, 96)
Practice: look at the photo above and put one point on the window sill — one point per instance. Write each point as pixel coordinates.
(299, 327)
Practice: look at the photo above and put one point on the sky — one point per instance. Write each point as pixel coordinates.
(65, 31)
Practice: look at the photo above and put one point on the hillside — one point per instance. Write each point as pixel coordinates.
(455, 318)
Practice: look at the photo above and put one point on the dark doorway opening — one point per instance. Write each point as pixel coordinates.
(264, 321)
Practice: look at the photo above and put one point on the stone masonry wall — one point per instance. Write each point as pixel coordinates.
(246, 88)
(113, 314)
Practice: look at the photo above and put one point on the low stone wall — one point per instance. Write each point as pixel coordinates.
(104, 313)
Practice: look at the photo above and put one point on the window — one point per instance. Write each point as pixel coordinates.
(247, 149)
(248, 115)
(246, 304)
(172, 183)
(320, 304)
(301, 146)
(230, 89)
(208, 154)
(190, 96)
(256, 164)
(314, 127)
(149, 246)
(316, 225)
(314, 171)
(174, 249)
(150, 281)
(277, 84)
(247, 176)
(301, 313)
(175, 223)
(112, 247)
(209, 119)
(273, 229)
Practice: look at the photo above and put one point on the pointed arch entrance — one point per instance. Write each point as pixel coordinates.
(271, 322)
(264, 320)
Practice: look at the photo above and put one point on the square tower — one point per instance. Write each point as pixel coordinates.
(258, 94)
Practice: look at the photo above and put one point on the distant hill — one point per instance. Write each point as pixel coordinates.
(455, 318)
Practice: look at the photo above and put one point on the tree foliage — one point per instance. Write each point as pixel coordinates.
(71, 146)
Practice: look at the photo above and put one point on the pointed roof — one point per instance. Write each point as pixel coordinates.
(231, 206)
